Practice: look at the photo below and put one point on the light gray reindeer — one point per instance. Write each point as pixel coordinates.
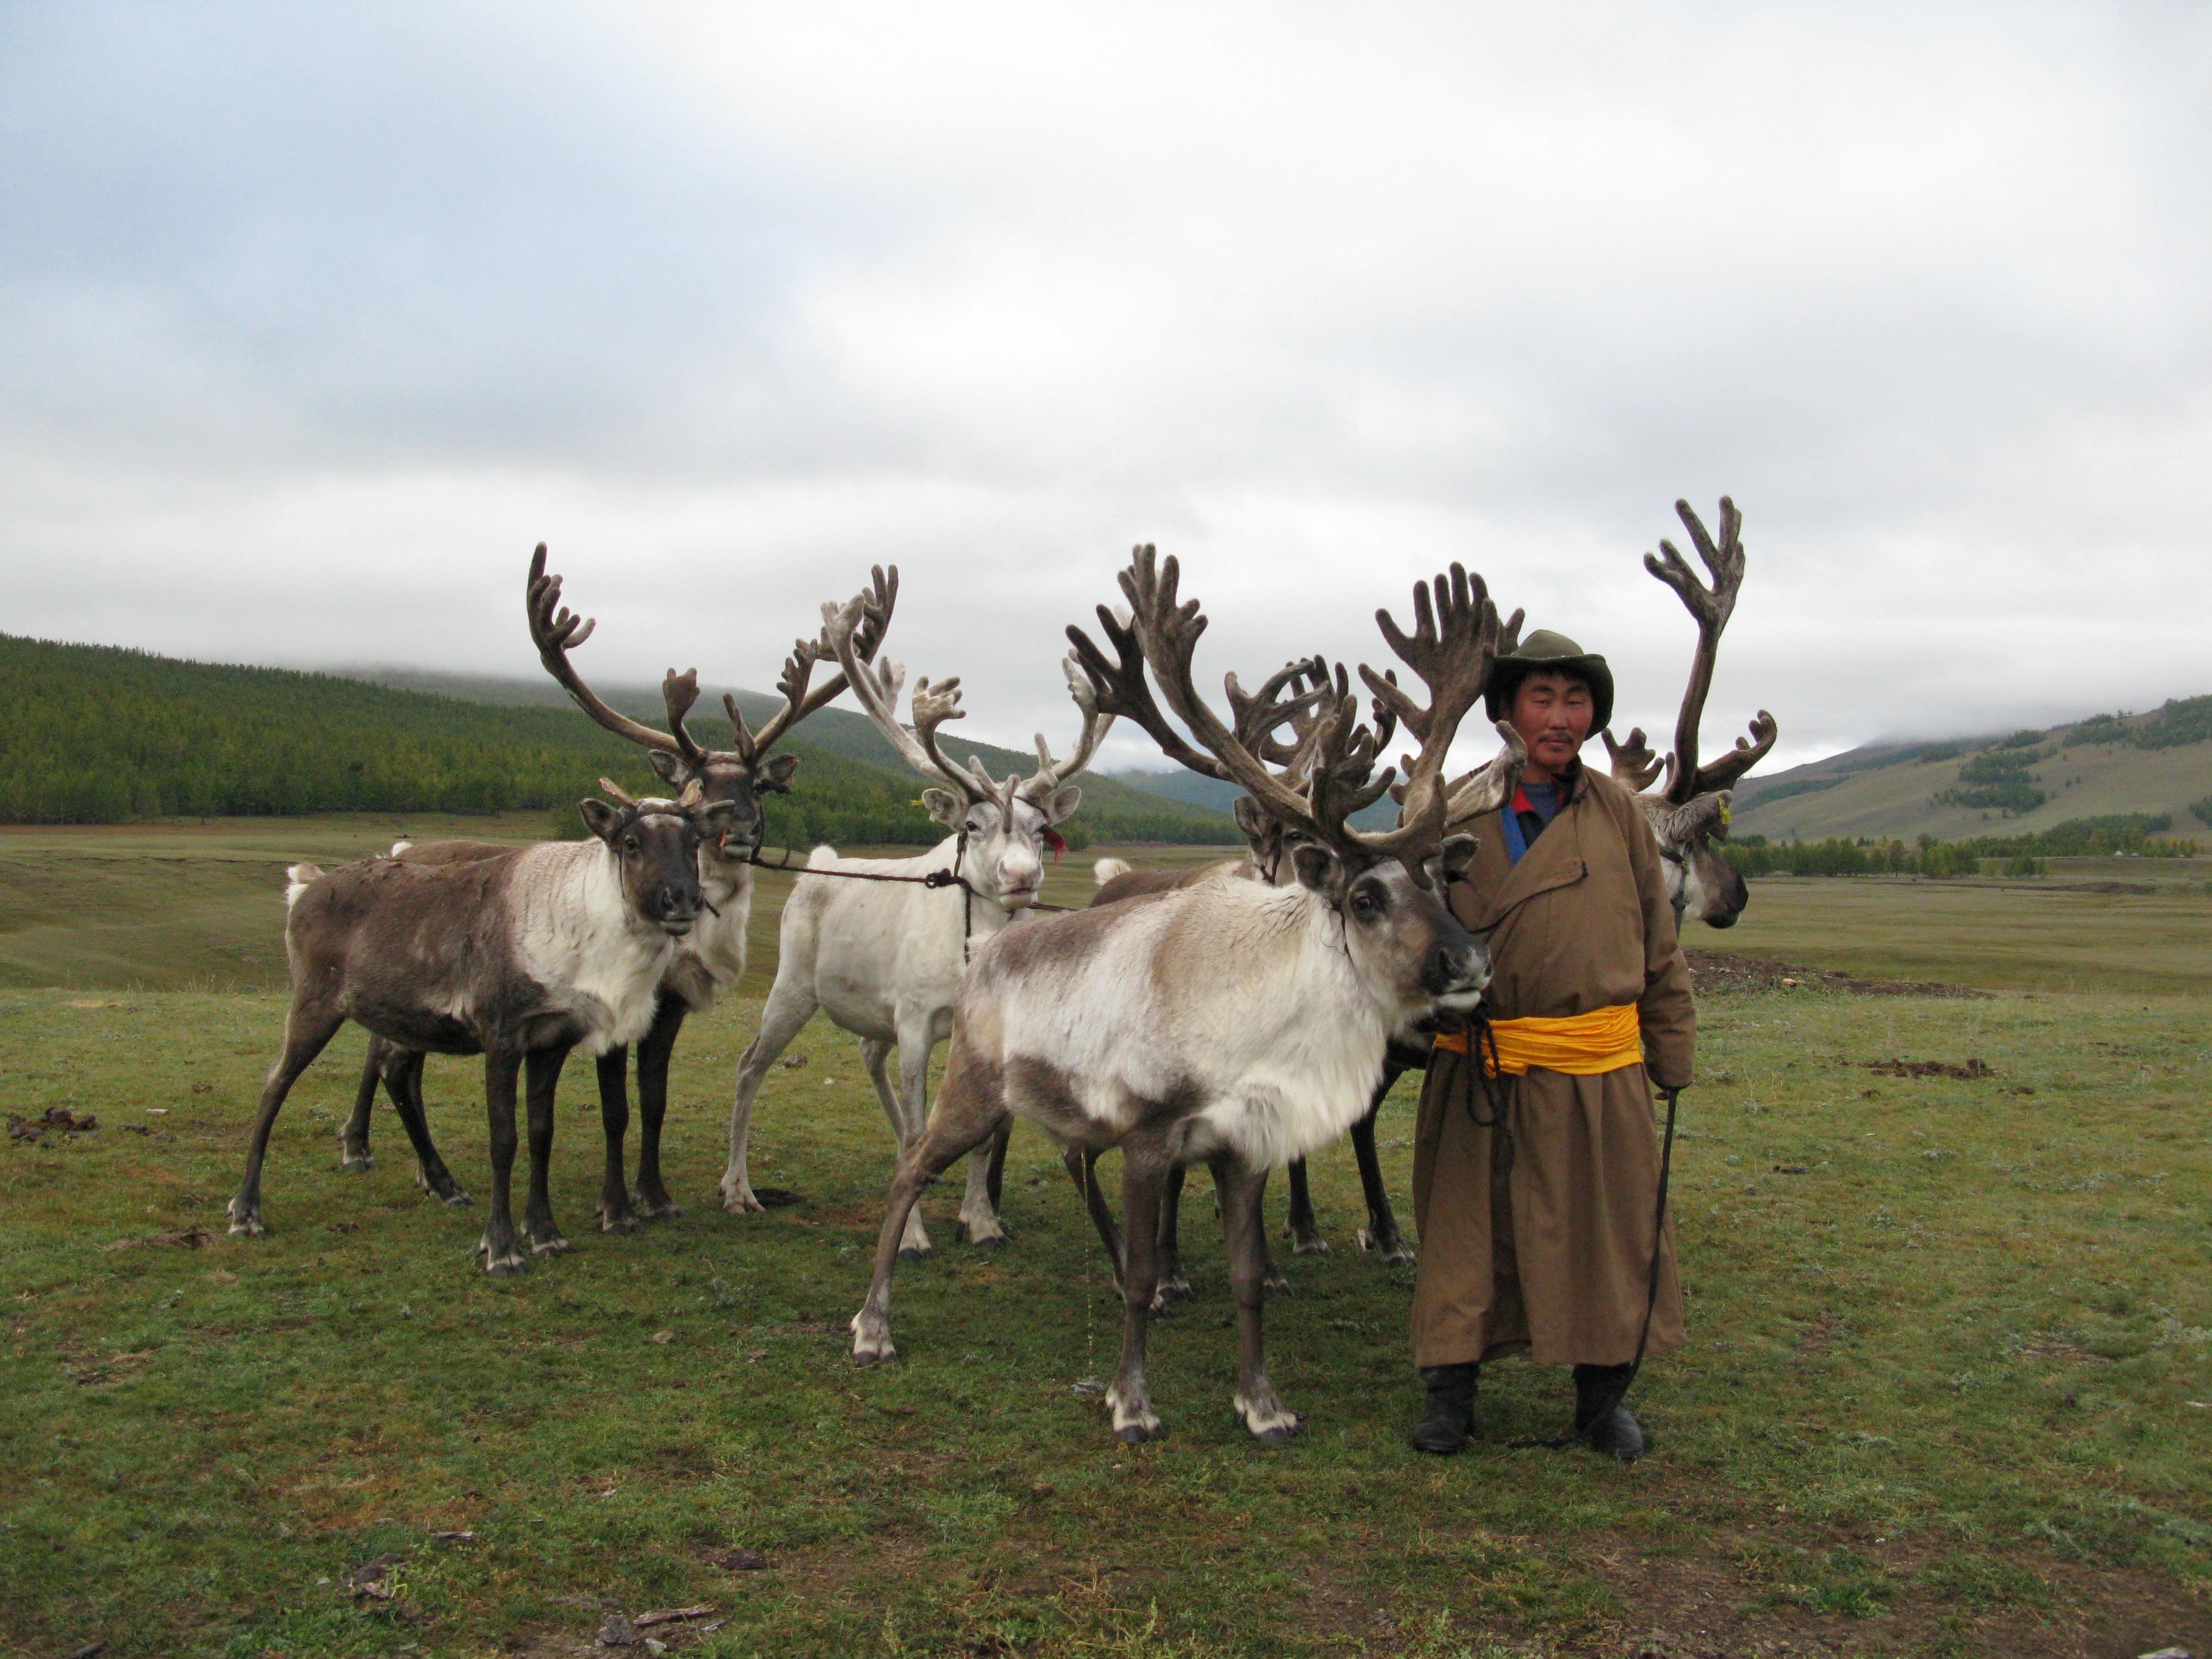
(1689, 812)
(1231, 1022)
(520, 956)
(881, 950)
(711, 955)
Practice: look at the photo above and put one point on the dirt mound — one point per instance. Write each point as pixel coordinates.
(1718, 973)
(1973, 1071)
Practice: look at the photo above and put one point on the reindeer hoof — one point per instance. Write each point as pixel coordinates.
(870, 1342)
(659, 1210)
(355, 1163)
(1176, 1289)
(986, 1236)
(1276, 1284)
(454, 1197)
(916, 1252)
(1270, 1423)
(621, 1222)
(506, 1266)
(1137, 1434)
(245, 1226)
(550, 1244)
(1276, 1436)
(1317, 1245)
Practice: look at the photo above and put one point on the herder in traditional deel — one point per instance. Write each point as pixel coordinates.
(1536, 1189)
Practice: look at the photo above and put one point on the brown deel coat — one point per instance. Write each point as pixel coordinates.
(1537, 1233)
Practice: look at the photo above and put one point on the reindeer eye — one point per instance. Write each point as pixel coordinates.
(1365, 901)
(629, 843)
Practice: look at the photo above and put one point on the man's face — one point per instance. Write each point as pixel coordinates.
(1552, 712)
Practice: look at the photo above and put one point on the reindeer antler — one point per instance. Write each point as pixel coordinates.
(876, 604)
(556, 631)
(1634, 765)
(1045, 781)
(1453, 639)
(876, 687)
(1711, 608)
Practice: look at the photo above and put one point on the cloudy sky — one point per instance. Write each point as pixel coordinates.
(313, 319)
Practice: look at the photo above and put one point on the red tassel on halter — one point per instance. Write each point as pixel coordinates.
(1054, 840)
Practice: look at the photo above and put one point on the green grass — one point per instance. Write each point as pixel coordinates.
(2016, 935)
(1938, 1397)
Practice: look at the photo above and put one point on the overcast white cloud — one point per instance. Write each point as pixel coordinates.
(312, 319)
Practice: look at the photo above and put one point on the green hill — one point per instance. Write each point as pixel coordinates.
(99, 734)
(2028, 781)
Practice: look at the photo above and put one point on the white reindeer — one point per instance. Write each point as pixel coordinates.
(1229, 1022)
(884, 957)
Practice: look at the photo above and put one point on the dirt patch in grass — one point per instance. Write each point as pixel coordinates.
(1974, 1071)
(1718, 973)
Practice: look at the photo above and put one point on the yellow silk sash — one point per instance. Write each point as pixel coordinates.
(1581, 1045)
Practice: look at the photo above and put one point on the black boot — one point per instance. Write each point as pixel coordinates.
(1600, 1417)
(1443, 1427)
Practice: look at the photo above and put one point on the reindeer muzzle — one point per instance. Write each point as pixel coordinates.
(1455, 971)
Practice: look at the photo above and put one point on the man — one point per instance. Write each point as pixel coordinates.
(1536, 1189)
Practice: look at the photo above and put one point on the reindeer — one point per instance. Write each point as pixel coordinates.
(712, 957)
(519, 956)
(1688, 813)
(884, 955)
(1231, 1023)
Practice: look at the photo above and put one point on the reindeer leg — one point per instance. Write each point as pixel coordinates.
(996, 1187)
(353, 1138)
(1299, 1226)
(903, 1106)
(498, 1245)
(969, 1111)
(617, 1214)
(980, 1219)
(654, 1053)
(308, 1027)
(403, 1081)
(1173, 1286)
(1382, 1231)
(791, 1004)
(544, 1073)
(1144, 1180)
(1081, 1169)
(1268, 1420)
(1276, 1283)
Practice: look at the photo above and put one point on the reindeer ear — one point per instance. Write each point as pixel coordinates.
(775, 773)
(669, 766)
(1252, 819)
(1316, 867)
(1061, 803)
(1458, 856)
(601, 819)
(947, 808)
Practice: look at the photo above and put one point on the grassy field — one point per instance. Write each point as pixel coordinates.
(1947, 1392)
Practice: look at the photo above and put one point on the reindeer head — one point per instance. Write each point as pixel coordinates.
(1688, 813)
(1386, 887)
(737, 776)
(655, 846)
(1003, 825)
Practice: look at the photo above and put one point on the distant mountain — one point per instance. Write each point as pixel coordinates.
(2160, 761)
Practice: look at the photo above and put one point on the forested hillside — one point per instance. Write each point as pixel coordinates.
(98, 734)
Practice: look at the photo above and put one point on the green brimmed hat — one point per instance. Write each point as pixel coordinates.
(1546, 652)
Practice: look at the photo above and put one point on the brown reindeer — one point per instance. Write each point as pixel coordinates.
(1688, 812)
(519, 956)
(1231, 1022)
(713, 955)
